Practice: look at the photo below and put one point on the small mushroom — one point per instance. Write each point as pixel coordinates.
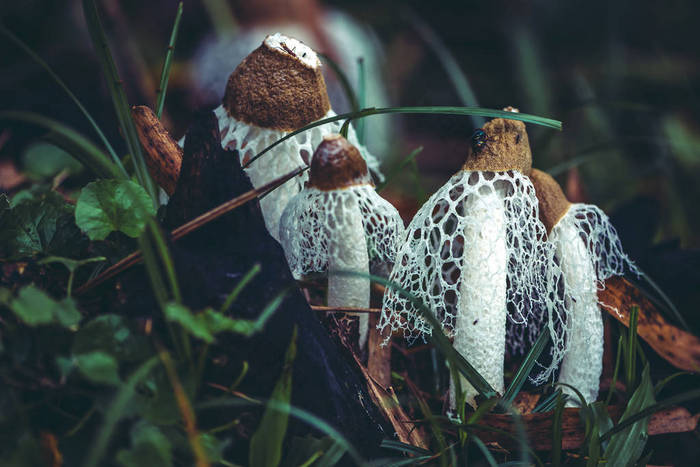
(338, 224)
(476, 255)
(275, 90)
(589, 252)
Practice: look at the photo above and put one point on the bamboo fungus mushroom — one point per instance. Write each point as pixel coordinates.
(589, 252)
(338, 223)
(476, 255)
(275, 90)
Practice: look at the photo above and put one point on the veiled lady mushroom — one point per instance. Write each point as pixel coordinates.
(338, 223)
(589, 251)
(476, 255)
(275, 90)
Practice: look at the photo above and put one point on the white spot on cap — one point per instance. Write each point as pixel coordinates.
(294, 47)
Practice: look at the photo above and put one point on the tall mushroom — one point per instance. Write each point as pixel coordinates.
(275, 90)
(338, 224)
(589, 252)
(476, 255)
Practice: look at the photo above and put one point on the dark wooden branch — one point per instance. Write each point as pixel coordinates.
(680, 348)
(538, 426)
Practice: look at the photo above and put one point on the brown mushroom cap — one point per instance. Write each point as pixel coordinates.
(273, 88)
(551, 198)
(507, 148)
(337, 164)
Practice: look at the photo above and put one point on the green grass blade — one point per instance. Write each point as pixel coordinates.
(485, 451)
(556, 430)
(631, 350)
(652, 409)
(666, 300)
(165, 258)
(456, 75)
(616, 371)
(407, 161)
(115, 411)
(361, 97)
(239, 287)
(165, 73)
(67, 90)
(662, 384)
(526, 367)
(344, 81)
(83, 149)
(266, 442)
(403, 447)
(116, 89)
(549, 402)
(429, 110)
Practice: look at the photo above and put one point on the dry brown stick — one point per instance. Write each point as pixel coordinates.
(189, 227)
(162, 153)
(538, 426)
(680, 348)
(344, 309)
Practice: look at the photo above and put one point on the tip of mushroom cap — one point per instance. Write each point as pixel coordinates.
(279, 86)
(502, 146)
(552, 200)
(337, 164)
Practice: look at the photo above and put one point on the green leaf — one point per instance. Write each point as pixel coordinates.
(33, 306)
(115, 411)
(43, 160)
(149, 448)
(627, 446)
(71, 264)
(66, 313)
(213, 447)
(39, 223)
(106, 206)
(111, 334)
(99, 367)
(194, 324)
(81, 148)
(266, 442)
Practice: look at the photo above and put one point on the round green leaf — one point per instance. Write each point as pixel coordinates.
(106, 206)
(99, 367)
(44, 160)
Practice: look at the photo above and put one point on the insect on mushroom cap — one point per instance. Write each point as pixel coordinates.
(278, 86)
(551, 198)
(337, 164)
(501, 145)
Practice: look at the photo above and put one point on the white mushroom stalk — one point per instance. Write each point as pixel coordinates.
(476, 255)
(338, 224)
(589, 251)
(277, 89)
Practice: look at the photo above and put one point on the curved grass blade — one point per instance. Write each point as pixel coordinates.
(116, 88)
(239, 287)
(403, 447)
(556, 430)
(652, 409)
(88, 154)
(344, 82)
(666, 300)
(485, 451)
(525, 367)
(296, 412)
(549, 402)
(438, 337)
(616, 371)
(67, 90)
(459, 80)
(429, 110)
(165, 73)
(115, 410)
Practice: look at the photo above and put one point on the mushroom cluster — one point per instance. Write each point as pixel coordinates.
(338, 224)
(476, 255)
(275, 90)
(589, 251)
